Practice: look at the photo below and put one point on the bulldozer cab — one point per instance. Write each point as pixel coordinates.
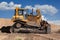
(23, 11)
(20, 11)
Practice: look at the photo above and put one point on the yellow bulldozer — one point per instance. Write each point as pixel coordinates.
(26, 22)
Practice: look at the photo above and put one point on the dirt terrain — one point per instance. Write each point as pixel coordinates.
(28, 36)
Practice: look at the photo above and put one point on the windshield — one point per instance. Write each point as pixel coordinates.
(22, 12)
(32, 11)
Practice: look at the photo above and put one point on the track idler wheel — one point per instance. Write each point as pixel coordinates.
(15, 28)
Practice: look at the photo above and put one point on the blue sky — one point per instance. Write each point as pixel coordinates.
(49, 15)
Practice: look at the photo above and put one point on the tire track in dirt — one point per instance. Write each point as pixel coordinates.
(50, 36)
(30, 36)
(3, 36)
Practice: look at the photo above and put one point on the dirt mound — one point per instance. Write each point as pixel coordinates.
(5, 22)
(55, 28)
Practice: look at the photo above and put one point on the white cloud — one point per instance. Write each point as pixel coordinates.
(44, 8)
(11, 5)
(28, 7)
(56, 22)
(43, 18)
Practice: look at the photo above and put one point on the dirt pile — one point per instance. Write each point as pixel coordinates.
(55, 28)
(5, 22)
